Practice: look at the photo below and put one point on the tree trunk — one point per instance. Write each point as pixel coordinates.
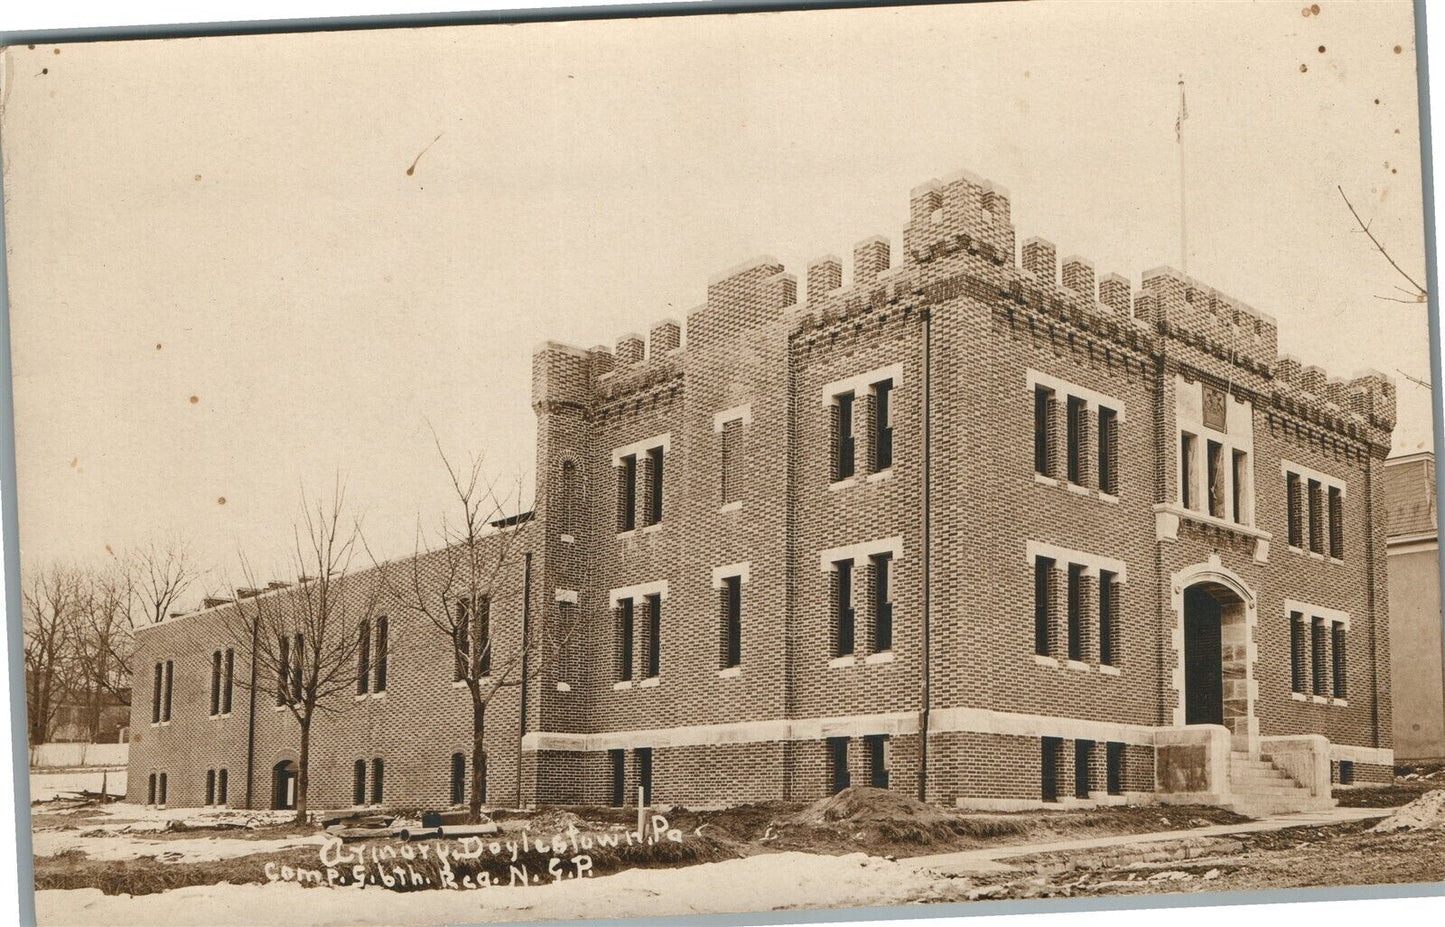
(303, 763)
(479, 759)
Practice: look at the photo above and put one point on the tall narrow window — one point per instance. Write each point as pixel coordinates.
(1317, 529)
(170, 679)
(838, 778)
(1074, 436)
(643, 756)
(882, 425)
(230, 686)
(1049, 768)
(151, 789)
(382, 635)
(221, 785)
(1294, 501)
(283, 668)
(882, 567)
(843, 644)
(1240, 472)
(1187, 492)
(459, 779)
(462, 645)
(618, 762)
(1114, 768)
(1337, 653)
(215, 684)
(210, 787)
(627, 494)
(877, 760)
(1108, 451)
(1320, 641)
(624, 640)
(358, 782)
(1043, 410)
(569, 517)
(1214, 465)
(654, 496)
(732, 461)
(843, 438)
(484, 636)
(298, 665)
(1106, 617)
(654, 636)
(1076, 611)
(1043, 577)
(377, 768)
(156, 695)
(363, 657)
(1337, 523)
(732, 609)
(161, 790)
(1298, 652)
(1083, 755)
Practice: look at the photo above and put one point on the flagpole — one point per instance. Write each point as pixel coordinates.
(1183, 214)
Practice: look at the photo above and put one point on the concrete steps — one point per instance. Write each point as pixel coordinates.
(1260, 789)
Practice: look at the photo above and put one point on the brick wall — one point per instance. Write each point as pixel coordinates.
(964, 335)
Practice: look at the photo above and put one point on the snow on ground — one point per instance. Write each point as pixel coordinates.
(47, 786)
(1426, 811)
(757, 883)
(180, 850)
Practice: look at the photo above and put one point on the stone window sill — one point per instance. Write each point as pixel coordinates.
(1319, 700)
(1075, 488)
(1042, 660)
(883, 656)
(880, 476)
(1343, 703)
(1078, 665)
(653, 528)
(848, 659)
(1107, 670)
(567, 539)
(381, 694)
(731, 672)
(651, 682)
(1299, 696)
(459, 683)
(844, 483)
(734, 506)
(624, 535)
(563, 687)
(622, 686)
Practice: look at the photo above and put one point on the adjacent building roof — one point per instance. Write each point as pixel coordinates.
(1410, 495)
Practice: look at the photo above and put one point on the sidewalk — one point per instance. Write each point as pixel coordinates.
(989, 859)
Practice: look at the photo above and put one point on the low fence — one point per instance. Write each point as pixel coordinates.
(54, 756)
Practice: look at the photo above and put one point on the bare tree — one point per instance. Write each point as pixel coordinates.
(51, 601)
(451, 585)
(306, 638)
(103, 641)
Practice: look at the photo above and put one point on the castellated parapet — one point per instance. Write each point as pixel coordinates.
(967, 217)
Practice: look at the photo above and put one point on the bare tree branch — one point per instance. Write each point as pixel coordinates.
(1419, 294)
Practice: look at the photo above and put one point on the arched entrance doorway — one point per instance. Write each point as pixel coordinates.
(283, 786)
(1216, 659)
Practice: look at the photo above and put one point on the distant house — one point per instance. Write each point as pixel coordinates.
(1415, 652)
(84, 722)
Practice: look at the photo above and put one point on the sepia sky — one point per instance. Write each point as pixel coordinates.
(225, 284)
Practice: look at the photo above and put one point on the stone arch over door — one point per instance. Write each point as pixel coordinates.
(1217, 588)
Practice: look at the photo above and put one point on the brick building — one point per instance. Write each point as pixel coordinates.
(994, 532)
(1416, 660)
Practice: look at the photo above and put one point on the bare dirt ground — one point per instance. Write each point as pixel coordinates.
(87, 854)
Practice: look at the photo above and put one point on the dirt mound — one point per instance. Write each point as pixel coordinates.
(863, 805)
(1425, 812)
